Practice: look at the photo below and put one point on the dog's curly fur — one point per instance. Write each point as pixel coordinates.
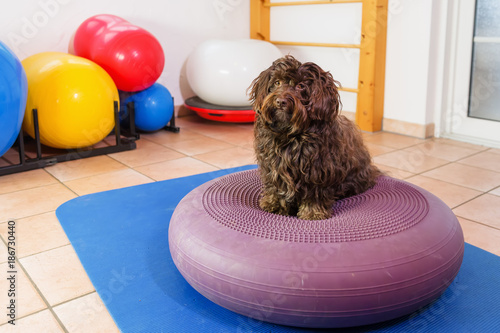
(309, 156)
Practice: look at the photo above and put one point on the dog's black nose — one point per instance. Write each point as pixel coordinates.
(280, 102)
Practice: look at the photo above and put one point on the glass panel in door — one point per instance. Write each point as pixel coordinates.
(484, 102)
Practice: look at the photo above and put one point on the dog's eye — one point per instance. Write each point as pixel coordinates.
(277, 84)
(300, 86)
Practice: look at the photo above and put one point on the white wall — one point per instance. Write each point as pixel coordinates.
(407, 60)
(338, 23)
(417, 37)
(413, 41)
(32, 26)
(414, 58)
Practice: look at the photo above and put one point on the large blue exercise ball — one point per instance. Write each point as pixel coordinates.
(13, 95)
(153, 108)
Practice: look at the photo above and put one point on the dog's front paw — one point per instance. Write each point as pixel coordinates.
(308, 212)
(272, 205)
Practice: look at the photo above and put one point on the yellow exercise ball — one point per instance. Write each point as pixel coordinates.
(74, 98)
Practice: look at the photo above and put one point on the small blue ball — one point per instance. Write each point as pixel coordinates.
(153, 108)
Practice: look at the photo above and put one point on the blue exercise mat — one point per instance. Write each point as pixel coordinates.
(121, 238)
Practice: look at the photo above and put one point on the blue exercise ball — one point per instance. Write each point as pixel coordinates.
(13, 96)
(153, 108)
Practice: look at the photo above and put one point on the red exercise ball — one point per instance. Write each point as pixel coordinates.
(132, 56)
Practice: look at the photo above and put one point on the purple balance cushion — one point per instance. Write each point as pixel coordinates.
(384, 253)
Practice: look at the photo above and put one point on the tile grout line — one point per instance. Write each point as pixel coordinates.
(33, 187)
(421, 174)
(452, 162)
(100, 174)
(155, 180)
(27, 216)
(54, 248)
(185, 155)
(26, 316)
(494, 189)
(196, 131)
(30, 188)
(208, 152)
(482, 192)
(443, 165)
(142, 174)
(478, 167)
(475, 166)
(480, 223)
(49, 307)
(469, 200)
(56, 305)
(471, 155)
(38, 291)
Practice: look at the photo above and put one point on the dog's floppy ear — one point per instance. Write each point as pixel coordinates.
(324, 94)
(259, 88)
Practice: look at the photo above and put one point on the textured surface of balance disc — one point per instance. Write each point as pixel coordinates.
(232, 114)
(383, 254)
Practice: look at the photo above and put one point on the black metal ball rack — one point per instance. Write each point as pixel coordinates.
(124, 139)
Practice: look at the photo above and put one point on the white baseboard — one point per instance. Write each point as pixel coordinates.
(409, 129)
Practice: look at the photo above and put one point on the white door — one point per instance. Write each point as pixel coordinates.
(473, 107)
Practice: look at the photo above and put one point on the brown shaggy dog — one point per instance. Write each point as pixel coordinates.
(309, 156)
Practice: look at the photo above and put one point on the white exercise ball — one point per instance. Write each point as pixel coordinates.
(220, 71)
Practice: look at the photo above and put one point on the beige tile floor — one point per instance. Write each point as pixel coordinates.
(55, 294)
